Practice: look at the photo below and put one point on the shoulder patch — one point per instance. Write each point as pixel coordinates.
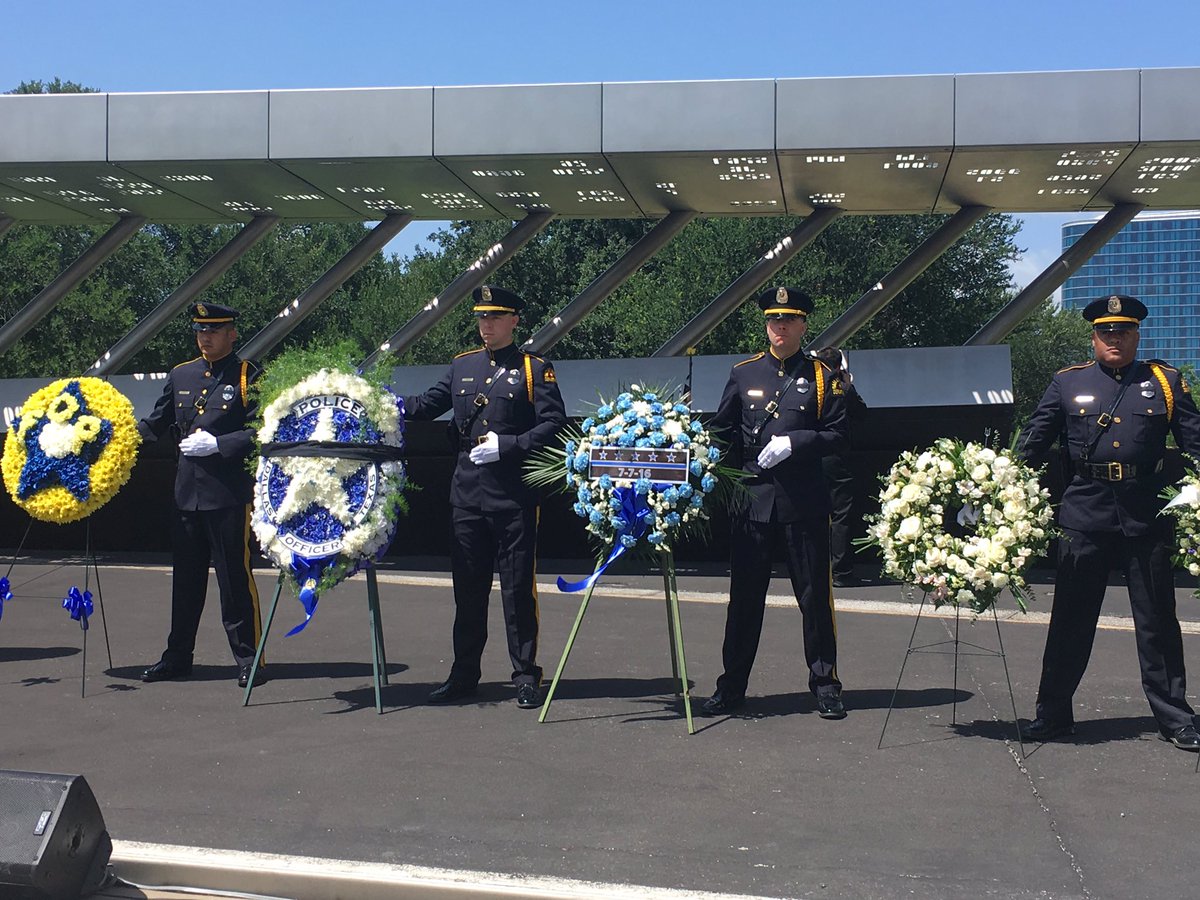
(751, 359)
(548, 374)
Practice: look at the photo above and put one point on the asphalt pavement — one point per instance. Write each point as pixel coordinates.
(611, 789)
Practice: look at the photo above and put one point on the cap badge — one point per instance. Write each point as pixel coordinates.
(201, 310)
(781, 295)
(1114, 304)
(486, 294)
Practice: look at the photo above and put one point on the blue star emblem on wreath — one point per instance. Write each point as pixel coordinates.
(62, 445)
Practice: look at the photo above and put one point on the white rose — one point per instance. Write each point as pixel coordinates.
(909, 529)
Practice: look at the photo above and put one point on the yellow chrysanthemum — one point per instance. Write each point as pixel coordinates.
(107, 473)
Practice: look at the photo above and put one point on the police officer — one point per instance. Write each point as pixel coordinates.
(506, 405)
(205, 408)
(781, 412)
(1114, 414)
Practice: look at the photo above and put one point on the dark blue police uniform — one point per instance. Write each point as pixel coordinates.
(212, 501)
(494, 512)
(785, 504)
(1114, 423)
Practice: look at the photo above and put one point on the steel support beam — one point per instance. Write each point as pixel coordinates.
(747, 283)
(1005, 322)
(33, 311)
(475, 275)
(6, 222)
(144, 331)
(887, 288)
(295, 312)
(608, 281)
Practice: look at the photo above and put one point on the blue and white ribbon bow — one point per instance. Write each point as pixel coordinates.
(636, 513)
(5, 594)
(79, 605)
(308, 576)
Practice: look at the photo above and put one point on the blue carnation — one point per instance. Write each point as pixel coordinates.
(600, 430)
(580, 510)
(685, 491)
(649, 397)
(707, 483)
(681, 408)
(671, 495)
(618, 523)
(605, 483)
(642, 442)
(658, 439)
(656, 408)
(714, 454)
(614, 503)
(696, 468)
(683, 439)
(571, 448)
(657, 421)
(628, 541)
(595, 517)
(588, 423)
(604, 412)
(672, 519)
(697, 428)
(656, 537)
(584, 494)
(627, 439)
(641, 487)
(581, 462)
(629, 415)
(697, 500)
(643, 422)
(624, 401)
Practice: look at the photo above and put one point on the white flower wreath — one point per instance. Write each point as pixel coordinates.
(320, 518)
(1184, 506)
(962, 522)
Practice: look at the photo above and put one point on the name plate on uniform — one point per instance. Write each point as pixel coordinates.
(632, 463)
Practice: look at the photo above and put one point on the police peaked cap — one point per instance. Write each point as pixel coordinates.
(210, 315)
(492, 299)
(1115, 312)
(784, 301)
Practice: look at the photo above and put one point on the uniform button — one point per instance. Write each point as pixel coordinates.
(485, 421)
(225, 406)
(1149, 410)
(204, 390)
(1082, 410)
(1116, 443)
(200, 413)
(487, 381)
(1117, 419)
(208, 374)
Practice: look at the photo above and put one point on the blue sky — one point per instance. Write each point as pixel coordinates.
(258, 44)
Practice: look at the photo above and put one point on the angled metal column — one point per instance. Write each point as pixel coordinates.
(608, 281)
(295, 312)
(6, 223)
(886, 289)
(144, 331)
(747, 283)
(475, 275)
(1004, 322)
(33, 311)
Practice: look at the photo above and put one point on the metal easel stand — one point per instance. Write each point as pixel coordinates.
(956, 643)
(378, 652)
(674, 635)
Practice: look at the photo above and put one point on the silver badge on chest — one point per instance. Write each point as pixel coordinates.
(228, 392)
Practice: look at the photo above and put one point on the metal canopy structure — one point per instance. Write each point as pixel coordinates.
(1023, 142)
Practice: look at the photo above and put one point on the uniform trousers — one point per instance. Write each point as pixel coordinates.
(806, 551)
(839, 481)
(486, 542)
(220, 537)
(1084, 561)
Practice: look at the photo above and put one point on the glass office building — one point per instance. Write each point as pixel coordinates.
(1155, 258)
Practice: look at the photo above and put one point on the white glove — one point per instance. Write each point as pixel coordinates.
(777, 450)
(967, 516)
(199, 443)
(488, 451)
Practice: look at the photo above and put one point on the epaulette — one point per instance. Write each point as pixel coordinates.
(533, 356)
(188, 363)
(1073, 368)
(469, 352)
(751, 359)
(1165, 365)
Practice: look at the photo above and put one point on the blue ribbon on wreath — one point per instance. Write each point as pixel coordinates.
(79, 605)
(5, 594)
(308, 575)
(636, 513)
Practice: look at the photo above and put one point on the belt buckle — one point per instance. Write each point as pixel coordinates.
(771, 407)
(480, 400)
(1114, 471)
(482, 439)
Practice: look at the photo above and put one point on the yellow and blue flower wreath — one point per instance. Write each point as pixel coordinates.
(70, 450)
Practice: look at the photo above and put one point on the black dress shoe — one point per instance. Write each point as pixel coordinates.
(528, 696)
(450, 691)
(165, 671)
(830, 706)
(244, 676)
(722, 702)
(1185, 738)
(1047, 729)
(844, 581)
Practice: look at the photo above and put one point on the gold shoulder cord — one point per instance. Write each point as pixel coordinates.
(1167, 392)
(528, 378)
(819, 378)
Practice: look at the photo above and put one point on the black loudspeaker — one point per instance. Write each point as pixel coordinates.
(53, 845)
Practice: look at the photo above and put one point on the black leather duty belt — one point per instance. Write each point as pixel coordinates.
(1115, 471)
